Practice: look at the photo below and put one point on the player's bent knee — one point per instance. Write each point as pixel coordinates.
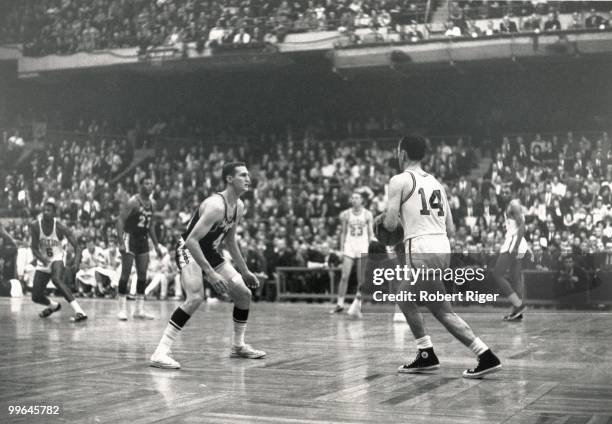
(241, 293)
(193, 300)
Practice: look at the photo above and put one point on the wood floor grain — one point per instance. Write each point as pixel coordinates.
(319, 368)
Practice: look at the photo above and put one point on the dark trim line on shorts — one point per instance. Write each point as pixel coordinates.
(410, 253)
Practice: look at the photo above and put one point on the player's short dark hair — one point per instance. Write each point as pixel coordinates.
(414, 145)
(229, 170)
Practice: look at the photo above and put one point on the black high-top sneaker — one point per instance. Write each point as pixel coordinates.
(516, 314)
(426, 360)
(487, 363)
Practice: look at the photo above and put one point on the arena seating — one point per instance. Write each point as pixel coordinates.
(300, 188)
(64, 27)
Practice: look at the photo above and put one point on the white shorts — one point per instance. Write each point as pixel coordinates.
(47, 269)
(430, 251)
(355, 250)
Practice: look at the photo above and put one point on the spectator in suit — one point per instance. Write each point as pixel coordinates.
(594, 20)
(541, 259)
(552, 24)
(507, 25)
(8, 263)
(572, 278)
(413, 34)
(532, 23)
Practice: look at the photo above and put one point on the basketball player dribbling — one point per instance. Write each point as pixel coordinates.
(47, 234)
(199, 250)
(511, 253)
(357, 231)
(418, 202)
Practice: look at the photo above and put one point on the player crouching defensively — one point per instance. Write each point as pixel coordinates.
(199, 250)
(47, 234)
(418, 202)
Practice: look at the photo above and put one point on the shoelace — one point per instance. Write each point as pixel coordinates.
(477, 366)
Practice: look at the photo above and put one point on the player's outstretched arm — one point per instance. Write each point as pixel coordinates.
(232, 246)
(450, 225)
(343, 231)
(392, 215)
(370, 223)
(516, 211)
(152, 232)
(35, 243)
(124, 212)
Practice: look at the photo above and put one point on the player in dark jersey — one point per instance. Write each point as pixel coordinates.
(134, 228)
(199, 250)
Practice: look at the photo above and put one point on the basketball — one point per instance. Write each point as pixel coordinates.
(386, 237)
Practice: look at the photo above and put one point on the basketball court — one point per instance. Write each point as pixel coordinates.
(557, 368)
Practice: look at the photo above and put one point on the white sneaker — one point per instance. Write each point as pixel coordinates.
(142, 315)
(246, 351)
(354, 311)
(122, 315)
(163, 360)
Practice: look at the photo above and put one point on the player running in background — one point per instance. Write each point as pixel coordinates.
(357, 232)
(47, 234)
(511, 253)
(418, 202)
(199, 250)
(134, 227)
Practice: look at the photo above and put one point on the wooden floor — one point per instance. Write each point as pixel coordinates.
(319, 369)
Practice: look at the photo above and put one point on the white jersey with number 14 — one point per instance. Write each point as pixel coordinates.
(423, 211)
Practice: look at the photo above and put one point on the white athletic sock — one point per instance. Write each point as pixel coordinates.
(515, 300)
(239, 329)
(478, 347)
(424, 342)
(122, 303)
(341, 301)
(53, 305)
(170, 334)
(140, 304)
(76, 307)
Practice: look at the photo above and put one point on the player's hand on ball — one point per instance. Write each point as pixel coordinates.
(251, 280)
(218, 283)
(158, 252)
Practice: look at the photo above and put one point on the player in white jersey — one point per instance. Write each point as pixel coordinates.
(357, 231)
(418, 202)
(511, 252)
(47, 234)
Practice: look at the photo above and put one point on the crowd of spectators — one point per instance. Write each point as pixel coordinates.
(564, 184)
(300, 187)
(67, 26)
(520, 17)
(479, 9)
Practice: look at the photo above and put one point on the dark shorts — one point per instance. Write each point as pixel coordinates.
(509, 264)
(136, 244)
